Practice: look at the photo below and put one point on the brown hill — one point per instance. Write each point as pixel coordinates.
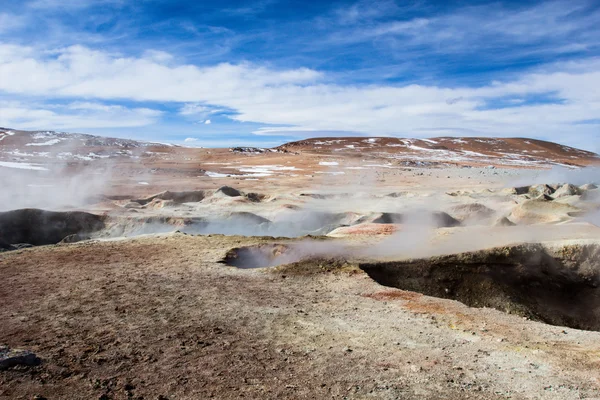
(481, 150)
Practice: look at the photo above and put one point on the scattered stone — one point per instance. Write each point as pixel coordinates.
(255, 197)
(566, 190)
(228, 191)
(255, 150)
(177, 197)
(538, 190)
(518, 190)
(436, 219)
(12, 357)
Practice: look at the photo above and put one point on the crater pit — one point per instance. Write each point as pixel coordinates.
(555, 283)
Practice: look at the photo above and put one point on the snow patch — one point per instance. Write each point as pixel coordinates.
(331, 172)
(47, 143)
(429, 141)
(380, 165)
(35, 167)
(6, 134)
(216, 174)
(473, 153)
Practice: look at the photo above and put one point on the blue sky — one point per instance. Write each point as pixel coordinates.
(263, 72)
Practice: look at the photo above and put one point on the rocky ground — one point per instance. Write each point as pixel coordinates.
(230, 273)
(160, 316)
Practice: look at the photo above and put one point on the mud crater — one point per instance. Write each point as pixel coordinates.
(262, 256)
(555, 284)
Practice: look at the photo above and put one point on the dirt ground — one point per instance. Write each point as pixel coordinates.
(160, 318)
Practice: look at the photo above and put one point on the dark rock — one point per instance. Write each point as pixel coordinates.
(521, 190)
(228, 191)
(255, 197)
(251, 150)
(13, 357)
(436, 219)
(178, 197)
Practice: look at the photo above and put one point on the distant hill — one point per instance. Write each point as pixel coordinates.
(40, 146)
(478, 150)
(34, 149)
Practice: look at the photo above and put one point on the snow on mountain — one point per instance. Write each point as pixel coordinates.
(41, 150)
(42, 146)
(515, 152)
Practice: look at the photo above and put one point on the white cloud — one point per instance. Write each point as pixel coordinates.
(10, 22)
(477, 26)
(77, 115)
(70, 4)
(194, 109)
(298, 99)
(190, 140)
(160, 57)
(366, 11)
(207, 122)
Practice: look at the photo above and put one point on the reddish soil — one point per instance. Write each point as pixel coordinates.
(160, 316)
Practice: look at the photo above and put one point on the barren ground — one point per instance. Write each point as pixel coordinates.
(159, 316)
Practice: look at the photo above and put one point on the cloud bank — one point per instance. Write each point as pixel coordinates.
(302, 92)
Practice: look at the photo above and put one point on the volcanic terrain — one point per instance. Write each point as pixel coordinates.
(326, 268)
